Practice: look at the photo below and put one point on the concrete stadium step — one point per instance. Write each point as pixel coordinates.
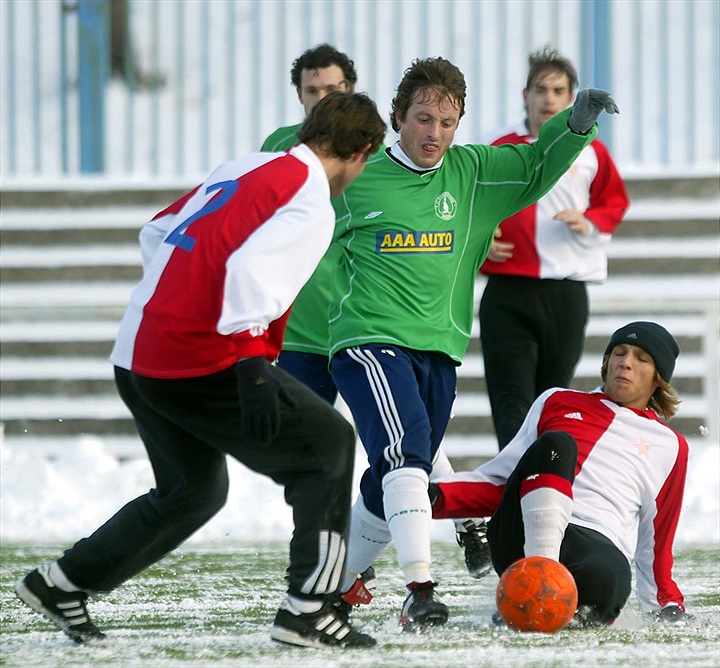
(41, 226)
(59, 395)
(34, 369)
(121, 262)
(116, 294)
(85, 193)
(45, 226)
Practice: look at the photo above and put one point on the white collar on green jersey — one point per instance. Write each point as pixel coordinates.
(402, 158)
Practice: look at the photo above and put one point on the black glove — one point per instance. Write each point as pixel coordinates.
(260, 394)
(588, 106)
(672, 614)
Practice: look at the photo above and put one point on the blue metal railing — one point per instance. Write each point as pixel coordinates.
(205, 81)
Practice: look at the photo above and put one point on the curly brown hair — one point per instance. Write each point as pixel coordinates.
(435, 74)
(323, 55)
(343, 124)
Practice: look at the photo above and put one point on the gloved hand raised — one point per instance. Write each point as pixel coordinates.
(260, 394)
(589, 104)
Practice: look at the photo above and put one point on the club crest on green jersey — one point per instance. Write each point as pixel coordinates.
(445, 206)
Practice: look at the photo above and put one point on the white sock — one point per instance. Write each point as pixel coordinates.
(441, 466)
(57, 578)
(367, 538)
(546, 513)
(408, 512)
(299, 606)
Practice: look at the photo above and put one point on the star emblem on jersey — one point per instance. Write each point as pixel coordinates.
(445, 206)
(642, 447)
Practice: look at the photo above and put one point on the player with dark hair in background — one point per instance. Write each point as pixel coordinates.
(193, 363)
(414, 231)
(534, 308)
(317, 72)
(593, 480)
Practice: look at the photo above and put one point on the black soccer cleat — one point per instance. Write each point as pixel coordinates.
(471, 535)
(324, 628)
(423, 608)
(66, 609)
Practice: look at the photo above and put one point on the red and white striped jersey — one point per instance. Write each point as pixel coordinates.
(629, 484)
(547, 248)
(222, 266)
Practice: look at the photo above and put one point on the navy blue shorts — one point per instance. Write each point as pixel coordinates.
(401, 401)
(311, 370)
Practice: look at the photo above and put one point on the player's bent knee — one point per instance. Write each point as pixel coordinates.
(556, 452)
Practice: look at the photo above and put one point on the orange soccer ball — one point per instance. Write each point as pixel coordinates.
(536, 594)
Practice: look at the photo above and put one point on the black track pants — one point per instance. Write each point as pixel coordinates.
(188, 426)
(532, 333)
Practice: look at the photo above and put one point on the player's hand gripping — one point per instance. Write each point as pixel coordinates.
(260, 395)
(589, 104)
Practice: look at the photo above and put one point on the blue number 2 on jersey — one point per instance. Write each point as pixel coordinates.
(178, 237)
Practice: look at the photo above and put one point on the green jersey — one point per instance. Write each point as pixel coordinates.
(281, 139)
(307, 326)
(413, 241)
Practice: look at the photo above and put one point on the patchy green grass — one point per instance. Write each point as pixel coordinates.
(213, 605)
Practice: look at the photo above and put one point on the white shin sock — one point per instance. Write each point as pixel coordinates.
(408, 512)
(545, 512)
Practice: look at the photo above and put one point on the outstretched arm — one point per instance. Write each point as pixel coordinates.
(589, 104)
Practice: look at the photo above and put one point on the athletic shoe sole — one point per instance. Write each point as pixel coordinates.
(289, 637)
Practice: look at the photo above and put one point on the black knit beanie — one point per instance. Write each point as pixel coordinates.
(654, 340)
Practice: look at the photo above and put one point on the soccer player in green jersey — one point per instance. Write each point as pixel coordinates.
(317, 72)
(414, 231)
(305, 353)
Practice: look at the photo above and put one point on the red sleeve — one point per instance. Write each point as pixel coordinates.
(669, 505)
(467, 499)
(608, 198)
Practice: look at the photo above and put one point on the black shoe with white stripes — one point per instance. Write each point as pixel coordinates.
(65, 609)
(323, 628)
